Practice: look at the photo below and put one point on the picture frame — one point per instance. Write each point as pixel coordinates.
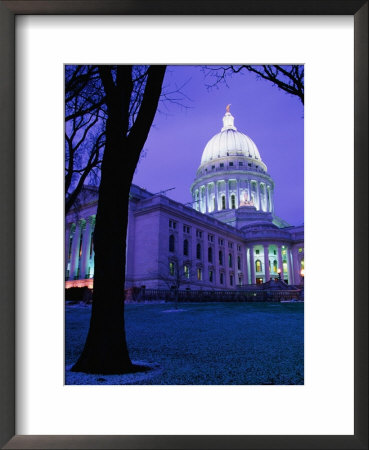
(8, 11)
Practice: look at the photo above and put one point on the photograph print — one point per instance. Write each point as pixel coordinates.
(184, 225)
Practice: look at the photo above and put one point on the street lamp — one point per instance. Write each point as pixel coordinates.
(279, 273)
(302, 273)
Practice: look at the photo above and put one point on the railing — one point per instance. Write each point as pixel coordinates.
(252, 295)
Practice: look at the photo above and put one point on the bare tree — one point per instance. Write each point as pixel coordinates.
(288, 78)
(131, 96)
(175, 273)
(85, 118)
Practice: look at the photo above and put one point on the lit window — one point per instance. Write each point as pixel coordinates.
(171, 243)
(186, 270)
(199, 274)
(300, 250)
(258, 266)
(275, 266)
(172, 268)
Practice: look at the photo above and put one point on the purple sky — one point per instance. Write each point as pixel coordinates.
(269, 116)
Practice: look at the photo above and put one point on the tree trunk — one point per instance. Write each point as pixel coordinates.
(106, 349)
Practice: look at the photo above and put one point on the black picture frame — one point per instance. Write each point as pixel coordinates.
(8, 11)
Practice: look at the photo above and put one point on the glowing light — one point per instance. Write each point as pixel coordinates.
(302, 272)
(279, 270)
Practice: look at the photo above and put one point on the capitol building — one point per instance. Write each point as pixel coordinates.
(229, 238)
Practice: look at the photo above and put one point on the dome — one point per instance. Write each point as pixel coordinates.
(229, 142)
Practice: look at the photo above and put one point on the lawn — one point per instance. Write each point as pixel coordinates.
(202, 343)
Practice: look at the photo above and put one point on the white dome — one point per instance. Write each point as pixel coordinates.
(229, 142)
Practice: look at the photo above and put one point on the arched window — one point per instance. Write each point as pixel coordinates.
(171, 243)
(220, 257)
(239, 262)
(275, 266)
(258, 265)
(233, 201)
(186, 271)
(223, 202)
(230, 260)
(210, 255)
(185, 247)
(198, 251)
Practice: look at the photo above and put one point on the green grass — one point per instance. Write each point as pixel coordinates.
(206, 343)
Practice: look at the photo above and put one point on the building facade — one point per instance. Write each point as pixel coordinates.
(230, 238)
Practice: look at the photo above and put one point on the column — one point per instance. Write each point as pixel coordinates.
(266, 263)
(271, 201)
(280, 261)
(249, 190)
(257, 196)
(238, 193)
(216, 195)
(289, 271)
(296, 266)
(227, 194)
(206, 197)
(67, 234)
(86, 242)
(246, 271)
(75, 249)
(252, 265)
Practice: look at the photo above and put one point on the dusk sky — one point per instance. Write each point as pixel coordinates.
(270, 117)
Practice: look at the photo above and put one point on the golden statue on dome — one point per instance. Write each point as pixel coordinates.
(227, 107)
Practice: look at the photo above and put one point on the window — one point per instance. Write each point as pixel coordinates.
(198, 251)
(231, 164)
(172, 268)
(233, 201)
(220, 257)
(171, 243)
(230, 244)
(186, 271)
(258, 265)
(223, 202)
(186, 229)
(231, 280)
(257, 251)
(221, 278)
(199, 274)
(172, 224)
(221, 165)
(240, 163)
(239, 262)
(274, 252)
(213, 167)
(238, 248)
(275, 266)
(220, 241)
(210, 255)
(210, 238)
(240, 281)
(185, 247)
(230, 260)
(210, 276)
(199, 233)
(249, 164)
